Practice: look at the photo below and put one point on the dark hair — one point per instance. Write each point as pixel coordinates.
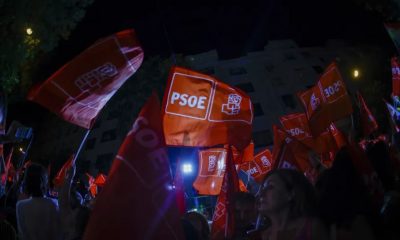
(304, 200)
(35, 180)
(244, 198)
(195, 216)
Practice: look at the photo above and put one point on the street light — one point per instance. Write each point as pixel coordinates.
(187, 168)
(356, 73)
(29, 31)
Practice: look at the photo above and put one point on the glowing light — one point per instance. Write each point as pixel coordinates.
(187, 168)
(356, 73)
(21, 150)
(29, 31)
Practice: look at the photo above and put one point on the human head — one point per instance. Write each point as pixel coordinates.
(245, 209)
(35, 180)
(199, 222)
(286, 189)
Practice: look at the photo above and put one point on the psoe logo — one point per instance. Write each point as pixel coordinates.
(265, 161)
(233, 105)
(212, 160)
(94, 78)
(314, 102)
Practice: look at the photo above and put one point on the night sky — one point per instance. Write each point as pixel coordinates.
(232, 27)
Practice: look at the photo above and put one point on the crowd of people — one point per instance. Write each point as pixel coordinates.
(339, 205)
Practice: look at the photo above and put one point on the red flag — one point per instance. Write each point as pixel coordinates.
(223, 220)
(200, 110)
(260, 166)
(139, 187)
(92, 186)
(79, 90)
(100, 180)
(8, 165)
(327, 101)
(289, 153)
(59, 179)
(211, 171)
(368, 122)
(395, 76)
(246, 155)
(180, 190)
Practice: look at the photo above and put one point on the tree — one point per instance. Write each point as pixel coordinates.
(31, 28)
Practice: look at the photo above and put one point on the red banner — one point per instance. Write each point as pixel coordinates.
(395, 76)
(212, 164)
(223, 220)
(260, 166)
(79, 90)
(138, 200)
(327, 101)
(201, 111)
(245, 155)
(368, 122)
(59, 179)
(100, 180)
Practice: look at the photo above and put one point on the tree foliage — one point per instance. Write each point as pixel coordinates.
(50, 21)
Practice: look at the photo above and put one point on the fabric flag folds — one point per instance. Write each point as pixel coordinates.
(59, 179)
(259, 167)
(138, 200)
(79, 90)
(201, 111)
(223, 219)
(327, 101)
(212, 165)
(368, 122)
(395, 76)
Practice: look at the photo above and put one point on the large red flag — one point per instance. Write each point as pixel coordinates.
(138, 200)
(223, 220)
(212, 164)
(200, 110)
(289, 153)
(260, 166)
(59, 179)
(78, 91)
(327, 101)
(395, 76)
(368, 122)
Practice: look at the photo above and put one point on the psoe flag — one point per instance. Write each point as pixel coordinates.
(79, 90)
(327, 101)
(201, 111)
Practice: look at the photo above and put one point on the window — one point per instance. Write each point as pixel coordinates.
(247, 87)
(277, 81)
(289, 57)
(103, 161)
(109, 135)
(114, 113)
(318, 69)
(237, 71)
(258, 109)
(269, 68)
(289, 101)
(208, 70)
(262, 138)
(90, 143)
(97, 124)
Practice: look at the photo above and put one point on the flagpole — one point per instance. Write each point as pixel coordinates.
(80, 147)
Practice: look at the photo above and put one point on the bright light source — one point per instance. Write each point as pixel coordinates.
(356, 73)
(29, 31)
(187, 168)
(21, 150)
